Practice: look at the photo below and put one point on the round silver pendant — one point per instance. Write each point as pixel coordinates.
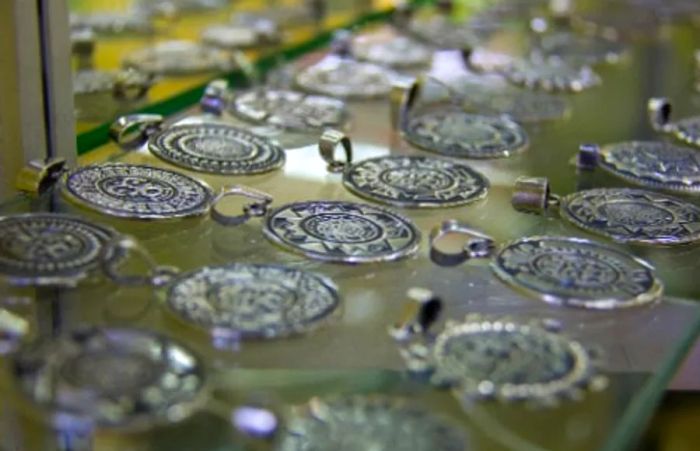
(216, 149)
(551, 74)
(368, 423)
(577, 49)
(489, 358)
(654, 164)
(444, 33)
(137, 191)
(113, 23)
(459, 134)
(290, 109)
(633, 216)
(179, 58)
(239, 36)
(258, 301)
(345, 78)
(577, 272)
(49, 249)
(118, 378)
(344, 232)
(411, 181)
(688, 130)
(394, 51)
(522, 106)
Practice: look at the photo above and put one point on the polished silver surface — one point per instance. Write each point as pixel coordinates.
(179, 58)
(393, 50)
(551, 74)
(345, 78)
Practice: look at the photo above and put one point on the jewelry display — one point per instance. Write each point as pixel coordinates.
(551, 74)
(179, 58)
(122, 85)
(345, 78)
(393, 50)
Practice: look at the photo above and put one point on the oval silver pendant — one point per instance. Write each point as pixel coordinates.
(576, 272)
(49, 249)
(137, 191)
(257, 301)
(368, 423)
(456, 133)
(344, 232)
(551, 74)
(119, 378)
(216, 149)
(633, 216)
(417, 182)
(345, 78)
(291, 110)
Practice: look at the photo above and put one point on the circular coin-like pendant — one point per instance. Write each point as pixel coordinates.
(343, 232)
(633, 216)
(576, 272)
(396, 51)
(259, 301)
(368, 423)
(344, 78)
(410, 181)
(179, 58)
(522, 106)
(113, 23)
(577, 49)
(290, 109)
(551, 74)
(217, 149)
(119, 378)
(655, 164)
(444, 33)
(137, 191)
(459, 134)
(49, 249)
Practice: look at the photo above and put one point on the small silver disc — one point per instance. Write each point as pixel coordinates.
(551, 74)
(633, 216)
(344, 232)
(258, 301)
(345, 78)
(411, 181)
(216, 149)
(137, 191)
(393, 51)
(654, 164)
(458, 134)
(577, 272)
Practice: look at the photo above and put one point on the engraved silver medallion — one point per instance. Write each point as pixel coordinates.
(551, 74)
(456, 133)
(344, 232)
(577, 272)
(258, 301)
(216, 149)
(412, 181)
(345, 78)
(633, 216)
(119, 378)
(368, 423)
(179, 58)
(137, 191)
(49, 249)
(654, 164)
(491, 358)
(393, 51)
(290, 109)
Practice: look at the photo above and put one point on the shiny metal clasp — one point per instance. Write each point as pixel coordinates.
(471, 243)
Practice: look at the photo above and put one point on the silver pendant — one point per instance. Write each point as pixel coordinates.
(444, 33)
(345, 78)
(256, 301)
(204, 147)
(240, 36)
(343, 232)
(122, 84)
(686, 130)
(488, 358)
(42, 249)
(404, 181)
(654, 164)
(580, 49)
(393, 51)
(113, 23)
(456, 133)
(125, 379)
(551, 74)
(179, 58)
(368, 423)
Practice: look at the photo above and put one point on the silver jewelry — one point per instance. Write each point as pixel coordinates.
(686, 130)
(125, 379)
(551, 74)
(113, 23)
(442, 32)
(368, 423)
(204, 147)
(256, 301)
(241, 35)
(343, 232)
(404, 181)
(394, 51)
(144, 192)
(654, 164)
(344, 78)
(520, 105)
(122, 85)
(579, 49)
(179, 58)
(621, 214)
(485, 358)
(42, 249)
